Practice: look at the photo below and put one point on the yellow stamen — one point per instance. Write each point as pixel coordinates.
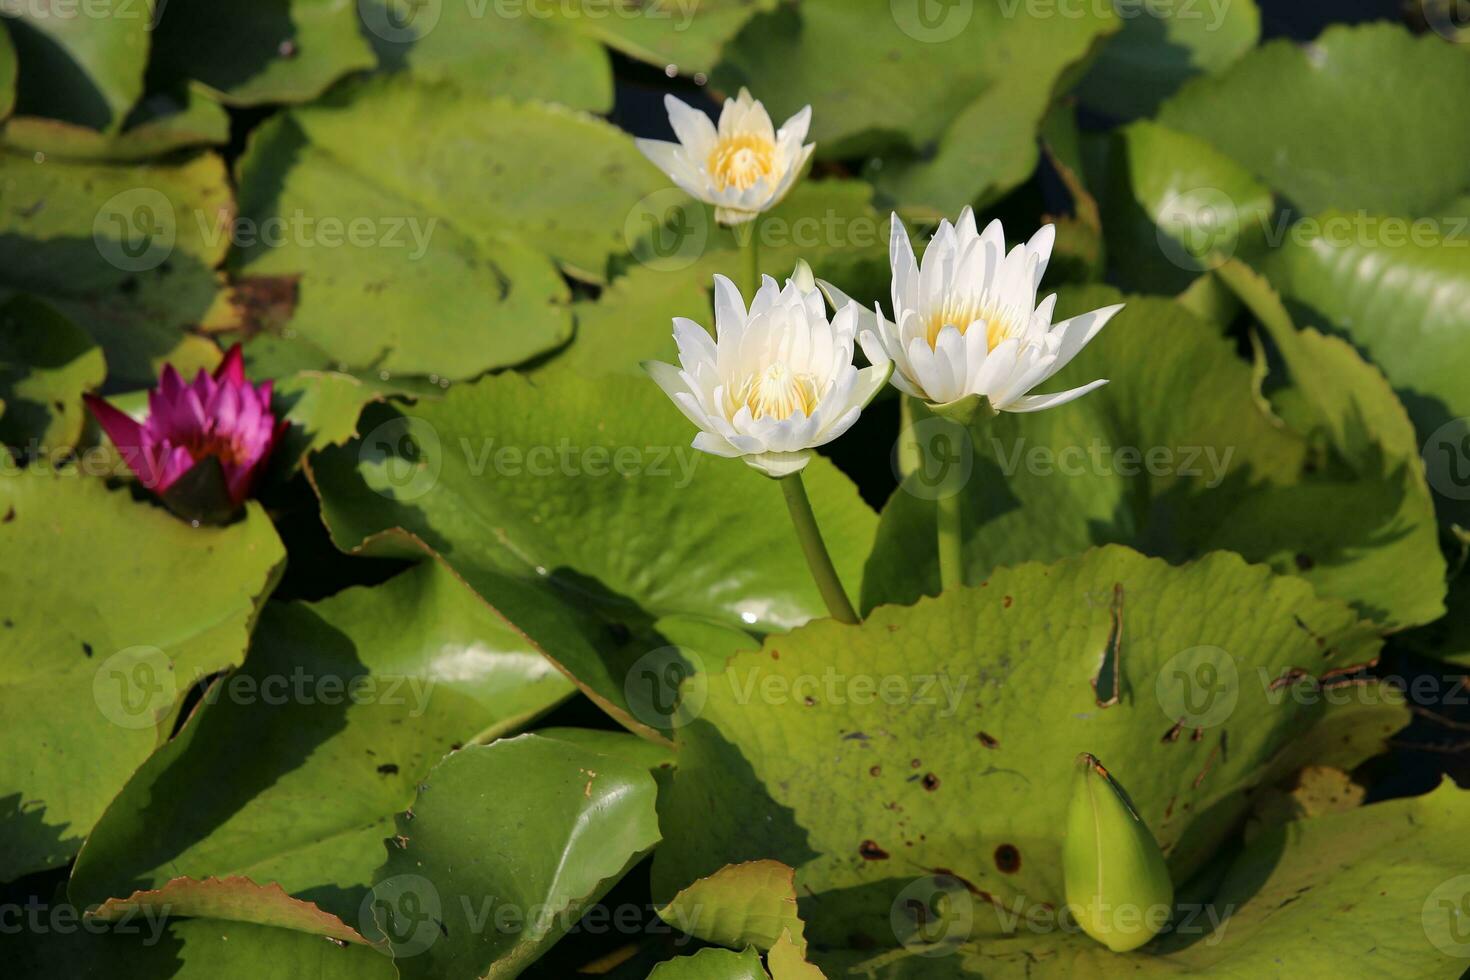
(960, 311)
(778, 393)
(740, 161)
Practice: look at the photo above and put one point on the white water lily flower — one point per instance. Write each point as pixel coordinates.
(966, 321)
(744, 167)
(776, 381)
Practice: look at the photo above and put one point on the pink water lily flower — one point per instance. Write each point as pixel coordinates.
(220, 417)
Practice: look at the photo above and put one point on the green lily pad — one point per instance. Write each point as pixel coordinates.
(7, 74)
(1317, 122)
(151, 948)
(160, 124)
(96, 666)
(588, 176)
(689, 36)
(81, 69)
(46, 364)
(233, 899)
(1178, 207)
(879, 75)
(935, 740)
(261, 51)
(496, 303)
(1401, 293)
(1331, 389)
(1177, 457)
(991, 145)
(1162, 44)
(527, 832)
(127, 252)
(740, 905)
(444, 274)
(1292, 904)
(712, 964)
(348, 704)
(830, 224)
(579, 511)
(479, 49)
(938, 90)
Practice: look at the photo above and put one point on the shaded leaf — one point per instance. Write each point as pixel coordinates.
(1175, 456)
(580, 513)
(527, 831)
(258, 52)
(1363, 117)
(234, 899)
(95, 665)
(486, 49)
(126, 252)
(340, 710)
(1162, 44)
(159, 125)
(46, 364)
(86, 70)
(855, 755)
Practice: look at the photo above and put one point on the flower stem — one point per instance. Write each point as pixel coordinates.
(751, 250)
(817, 558)
(950, 521)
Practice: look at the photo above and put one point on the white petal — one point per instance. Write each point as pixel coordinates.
(693, 128)
(797, 126)
(999, 365)
(777, 465)
(708, 442)
(730, 315)
(668, 377)
(1041, 245)
(1078, 331)
(1035, 403)
(905, 268)
(867, 319)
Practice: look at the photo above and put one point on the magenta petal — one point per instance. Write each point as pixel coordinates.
(175, 463)
(232, 369)
(119, 426)
(170, 384)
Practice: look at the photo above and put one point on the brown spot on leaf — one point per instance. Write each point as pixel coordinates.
(1007, 601)
(988, 740)
(1007, 859)
(930, 781)
(870, 851)
(388, 769)
(264, 302)
(875, 771)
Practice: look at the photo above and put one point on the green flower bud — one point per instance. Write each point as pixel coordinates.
(1117, 884)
